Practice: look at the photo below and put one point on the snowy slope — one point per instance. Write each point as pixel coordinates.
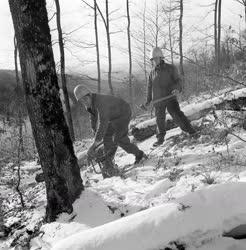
(187, 218)
(206, 174)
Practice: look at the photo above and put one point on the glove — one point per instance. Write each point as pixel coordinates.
(91, 153)
(143, 107)
(146, 104)
(176, 92)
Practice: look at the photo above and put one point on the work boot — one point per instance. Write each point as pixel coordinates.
(158, 142)
(140, 157)
(195, 135)
(109, 170)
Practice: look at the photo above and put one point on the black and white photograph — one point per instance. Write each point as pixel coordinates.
(122, 124)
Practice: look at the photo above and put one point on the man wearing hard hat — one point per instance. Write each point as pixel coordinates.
(110, 117)
(164, 82)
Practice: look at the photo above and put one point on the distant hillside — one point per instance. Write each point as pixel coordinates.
(8, 83)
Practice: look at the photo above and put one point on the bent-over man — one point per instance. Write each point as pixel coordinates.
(110, 117)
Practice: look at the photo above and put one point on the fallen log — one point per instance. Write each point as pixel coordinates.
(235, 100)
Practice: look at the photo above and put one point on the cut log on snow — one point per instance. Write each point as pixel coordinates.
(235, 100)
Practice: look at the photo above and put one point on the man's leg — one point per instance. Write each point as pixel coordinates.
(110, 148)
(121, 138)
(160, 113)
(179, 117)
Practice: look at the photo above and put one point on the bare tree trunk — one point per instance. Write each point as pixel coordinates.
(170, 31)
(181, 66)
(16, 62)
(219, 33)
(63, 74)
(144, 43)
(245, 12)
(20, 104)
(97, 49)
(129, 52)
(157, 25)
(106, 24)
(109, 52)
(54, 145)
(215, 34)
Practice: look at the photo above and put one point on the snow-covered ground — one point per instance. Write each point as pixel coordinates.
(184, 196)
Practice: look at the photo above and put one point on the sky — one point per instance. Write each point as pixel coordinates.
(77, 17)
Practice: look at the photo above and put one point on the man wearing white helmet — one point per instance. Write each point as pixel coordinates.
(110, 117)
(163, 81)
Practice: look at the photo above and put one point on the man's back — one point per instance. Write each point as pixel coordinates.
(110, 106)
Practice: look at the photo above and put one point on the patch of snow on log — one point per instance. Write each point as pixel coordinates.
(192, 109)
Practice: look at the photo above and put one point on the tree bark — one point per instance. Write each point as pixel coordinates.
(157, 25)
(97, 49)
(106, 24)
(129, 52)
(54, 145)
(245, 12)
(219, 33)
(16, 63)
(170, 31)
(181, 66)
(109, 51)
(63, 74)
(144, 43)
(215, 34)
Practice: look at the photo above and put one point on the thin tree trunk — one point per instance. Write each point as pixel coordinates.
(219, 33)
(63, 74)
(109, 52)
(54, 145)
(129, 52)
(144, 44)
(215, 34)
(106, 24)
(97, 49)
(181, 66)
(157, 25)
(20, 148)
(170, 32)
(16, 62)
(245, 12)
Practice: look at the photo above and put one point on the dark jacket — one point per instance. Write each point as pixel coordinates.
(106, 109)
(163, 79)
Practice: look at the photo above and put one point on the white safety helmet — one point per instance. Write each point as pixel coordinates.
(156, 52)
(80, 91)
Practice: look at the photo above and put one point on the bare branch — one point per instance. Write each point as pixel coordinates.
(52, 16)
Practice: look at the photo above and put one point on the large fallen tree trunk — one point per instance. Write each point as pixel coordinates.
(235, 100)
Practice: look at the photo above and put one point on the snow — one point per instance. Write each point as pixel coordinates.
(156, 227)
(188, 191)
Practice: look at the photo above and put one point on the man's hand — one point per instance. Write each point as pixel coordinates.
(176, 92)
(91, 152)
(143, 107)
(147, 104)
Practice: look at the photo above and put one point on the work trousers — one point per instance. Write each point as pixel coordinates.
(117, 135)
(178, 116)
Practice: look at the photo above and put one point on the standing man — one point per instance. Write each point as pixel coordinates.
(164, 80)
(110, 117)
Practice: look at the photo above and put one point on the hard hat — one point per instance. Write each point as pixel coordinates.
(156, 52)
(80, 91)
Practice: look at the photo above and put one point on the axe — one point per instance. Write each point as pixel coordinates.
(145, 108)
